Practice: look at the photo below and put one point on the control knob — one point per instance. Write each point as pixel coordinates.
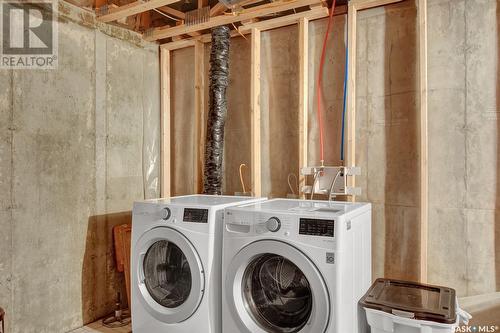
(273, 224)
(165, 213)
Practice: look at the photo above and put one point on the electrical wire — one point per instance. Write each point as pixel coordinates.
(290, 184)
(241, 177)
(166, 15)
(320, 77)
(239, 32)
(344, 106)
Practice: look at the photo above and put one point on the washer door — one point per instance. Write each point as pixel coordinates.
(274, 287)
(169, 274)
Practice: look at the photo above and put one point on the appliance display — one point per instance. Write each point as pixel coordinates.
(195, 215)
(315, 227)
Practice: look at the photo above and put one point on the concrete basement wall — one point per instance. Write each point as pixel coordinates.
(183, 150)
(238, 118)
(78, 145)
(464, 95)
(386, 120)
(464, 127)
(464, 226)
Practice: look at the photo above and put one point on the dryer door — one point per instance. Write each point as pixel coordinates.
(274, 287)
(169, 274)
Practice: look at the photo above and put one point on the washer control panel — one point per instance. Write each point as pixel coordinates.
(287, 226)
(316, 227)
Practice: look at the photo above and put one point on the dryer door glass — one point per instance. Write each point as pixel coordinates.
(277, 293)
(167, 274)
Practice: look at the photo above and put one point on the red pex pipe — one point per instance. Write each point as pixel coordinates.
(320, 77)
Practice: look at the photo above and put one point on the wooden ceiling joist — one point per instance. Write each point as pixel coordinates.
(172, 12)
(285, 20)
(246, 14)
(133, 8)
(312, 14)
(367, 4)
(180, 44)
(188, 42)
(207, 38)
(217, 9)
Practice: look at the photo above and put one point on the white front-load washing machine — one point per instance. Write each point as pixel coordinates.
(295, 266)
(176, 263)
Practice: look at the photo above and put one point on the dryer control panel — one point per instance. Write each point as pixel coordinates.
(195, 215)
(316, 227)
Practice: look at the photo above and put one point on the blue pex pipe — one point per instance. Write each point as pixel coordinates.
(345, 98)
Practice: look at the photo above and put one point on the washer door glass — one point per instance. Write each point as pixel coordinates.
(277, 293)
(167, 274)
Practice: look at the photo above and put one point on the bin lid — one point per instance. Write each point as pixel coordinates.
(412, 300)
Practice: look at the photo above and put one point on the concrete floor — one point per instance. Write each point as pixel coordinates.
(482, 318)
(97, 327)
(485, 309)
(490, 317)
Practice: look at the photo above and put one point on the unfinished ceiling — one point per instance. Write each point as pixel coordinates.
(171, 20)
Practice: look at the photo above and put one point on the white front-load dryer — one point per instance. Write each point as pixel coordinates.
(295, 266)
(176, 263)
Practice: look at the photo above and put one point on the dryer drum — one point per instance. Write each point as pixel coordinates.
(277, 294)
(167, 274)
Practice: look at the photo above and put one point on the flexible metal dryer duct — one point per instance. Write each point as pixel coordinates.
(217, 110)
